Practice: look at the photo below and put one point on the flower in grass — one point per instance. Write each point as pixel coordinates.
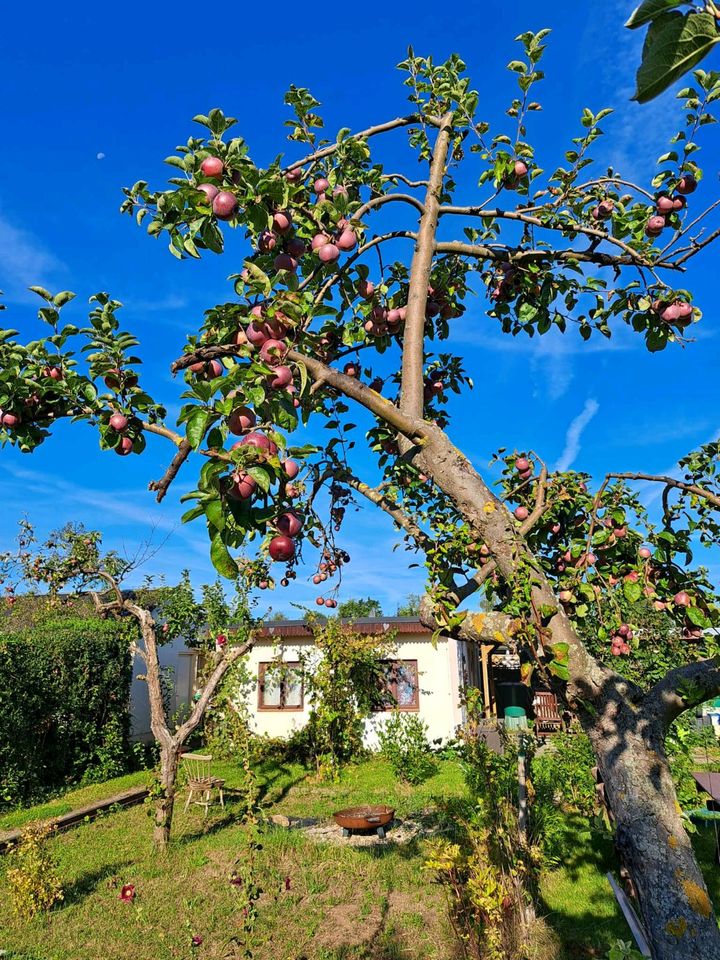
(235, 880)
(127, 894)
(196, 940)
(287, 883)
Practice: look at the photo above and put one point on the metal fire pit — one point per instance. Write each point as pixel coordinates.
(373, 817)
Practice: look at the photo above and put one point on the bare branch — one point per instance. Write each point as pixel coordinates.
(162, 485)
(401, 176)
(670, 483)
(362, 135)
(384, 198)
(564, 226)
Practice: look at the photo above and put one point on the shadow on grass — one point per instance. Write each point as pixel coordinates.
(89, 881)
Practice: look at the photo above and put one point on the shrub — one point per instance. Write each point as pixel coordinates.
(64, 702)
(404, 743)
(32, 876)
(563, 771)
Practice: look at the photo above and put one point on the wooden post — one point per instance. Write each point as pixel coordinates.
(487, 701)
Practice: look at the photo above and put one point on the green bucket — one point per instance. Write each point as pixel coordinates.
(514, 712)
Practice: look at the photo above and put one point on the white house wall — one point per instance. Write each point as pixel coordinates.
(438, 679)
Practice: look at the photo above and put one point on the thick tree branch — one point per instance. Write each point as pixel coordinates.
(372, 401)
(414, 184)
(412, 385)
(210, 688)
(682, 689)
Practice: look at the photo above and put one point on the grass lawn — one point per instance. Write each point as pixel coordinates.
(344, 902)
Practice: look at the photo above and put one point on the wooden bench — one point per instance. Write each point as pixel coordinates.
(547, 717)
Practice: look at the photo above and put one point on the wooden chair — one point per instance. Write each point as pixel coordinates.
(201, 783)
(547, 717)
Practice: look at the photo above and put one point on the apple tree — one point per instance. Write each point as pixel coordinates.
(72, 559)
(352, 278)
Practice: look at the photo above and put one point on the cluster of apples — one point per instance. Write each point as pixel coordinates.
(679, 312)
(328, 567)
(666, 205)
(224, 203)
(525, 471)
(619, 641)
(120, 424)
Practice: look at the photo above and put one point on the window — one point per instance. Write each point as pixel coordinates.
(399, 685)
(280, 687)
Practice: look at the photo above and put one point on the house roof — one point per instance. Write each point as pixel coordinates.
(366, 625)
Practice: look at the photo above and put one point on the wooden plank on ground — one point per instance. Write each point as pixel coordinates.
(67, 820)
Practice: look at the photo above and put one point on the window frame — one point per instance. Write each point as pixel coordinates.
(280, 708)
(390, 688)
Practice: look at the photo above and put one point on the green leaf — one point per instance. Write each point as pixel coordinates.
(60, 299)
(42, 292)
(674, 44)
(649, 10)
(632, 591)
(193, 513)
(196, 427)
(221, 559)
(560, 671)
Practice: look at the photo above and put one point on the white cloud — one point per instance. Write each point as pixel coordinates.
(574, 433)
(24, 261)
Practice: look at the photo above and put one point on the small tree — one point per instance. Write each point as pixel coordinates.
(360, 608)
(343, 677)
(73, 558)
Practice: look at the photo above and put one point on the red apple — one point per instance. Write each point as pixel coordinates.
(124, 447)
(258, 440)
(267, 241)
(522, 464)
(350, 370)
(284, 262)
(319, 240)
(665, 204)
(289, 524)
(272, 351)
(296, 248)
(655, 226)
(328, 253)
(225, 205)
(366, 289)
(283, 377)
(687, 184)
(645, 553)
(243, 486)
(209, 190)
(281, 222)
(319, 601)
(212, 166)
(282, 548)
(321, 185)
(521, 513)
(682, 599)
(347, 240)
(241, 420)
(11, 420)
(520, 169)
(119, 422)
(294, 176)
(291, 469)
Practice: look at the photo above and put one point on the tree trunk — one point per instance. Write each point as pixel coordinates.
(650, 836)
(169, 757)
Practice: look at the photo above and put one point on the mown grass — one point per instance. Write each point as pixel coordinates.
(343, 902)
(73, 799)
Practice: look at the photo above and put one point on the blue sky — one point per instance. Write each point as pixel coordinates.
(94, 98)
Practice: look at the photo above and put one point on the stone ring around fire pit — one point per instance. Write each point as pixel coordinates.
(372, 817)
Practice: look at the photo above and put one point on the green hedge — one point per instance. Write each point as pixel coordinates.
(64, 706)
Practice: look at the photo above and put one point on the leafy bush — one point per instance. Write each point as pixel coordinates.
(32, 876)
(404, 743)
(563, 771)
(64, 702)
